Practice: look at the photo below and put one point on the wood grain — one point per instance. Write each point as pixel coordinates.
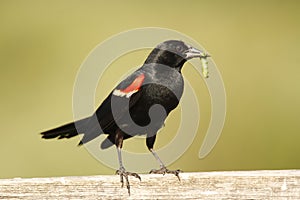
(274, 184)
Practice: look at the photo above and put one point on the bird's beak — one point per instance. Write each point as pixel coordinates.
(195, 53)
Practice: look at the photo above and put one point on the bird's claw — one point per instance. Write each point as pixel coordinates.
(164, 170)
(124, 174)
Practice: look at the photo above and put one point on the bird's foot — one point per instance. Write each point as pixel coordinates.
(124, 174)
(164, 170)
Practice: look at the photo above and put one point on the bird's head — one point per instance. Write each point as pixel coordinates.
(174, 53)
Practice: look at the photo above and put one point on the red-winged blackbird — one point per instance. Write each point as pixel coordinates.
(134, 107)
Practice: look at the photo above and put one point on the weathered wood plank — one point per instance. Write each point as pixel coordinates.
(277, 184)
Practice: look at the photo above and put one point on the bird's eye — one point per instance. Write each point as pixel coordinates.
(178, 48)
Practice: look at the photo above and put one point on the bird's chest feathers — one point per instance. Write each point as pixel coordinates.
(164, 88)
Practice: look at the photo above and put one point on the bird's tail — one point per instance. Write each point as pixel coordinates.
(66, 131)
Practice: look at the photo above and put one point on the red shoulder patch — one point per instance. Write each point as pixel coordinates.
(135, 85)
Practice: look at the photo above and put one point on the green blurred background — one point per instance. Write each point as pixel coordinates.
(255, 45)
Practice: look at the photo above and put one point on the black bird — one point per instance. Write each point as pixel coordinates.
(134, 107)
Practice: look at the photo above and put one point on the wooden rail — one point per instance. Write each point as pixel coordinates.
(274, 184)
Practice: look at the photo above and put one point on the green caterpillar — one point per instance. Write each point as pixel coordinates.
(204, 63)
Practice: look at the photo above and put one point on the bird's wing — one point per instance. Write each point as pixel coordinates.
(123, 97)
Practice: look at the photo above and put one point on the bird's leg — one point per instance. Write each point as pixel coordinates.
(121, 171)
(150, 140)
(163, 170)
